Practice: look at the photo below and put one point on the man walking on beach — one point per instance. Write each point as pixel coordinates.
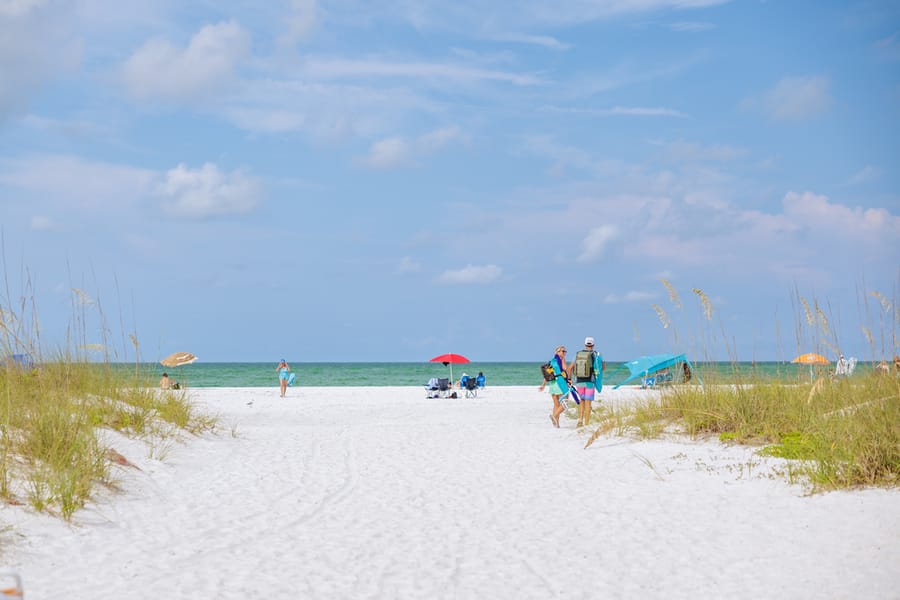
(588, 372)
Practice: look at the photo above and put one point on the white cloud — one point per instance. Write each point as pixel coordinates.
(619, 111)
(409, 265)
(36, 45)
(42, 223)
(889, 47)
(797, 98)
(299, 22)
(401, 152)
(816, 212)
(692, 152)
(161, 70)
(594, 245)
(691, 26)
(471, 275)
(72, 181)
(865, 175)
(207, 192)
(628, 297)
(539, 40)
(390, 152)
(18, 8)
(436, 73)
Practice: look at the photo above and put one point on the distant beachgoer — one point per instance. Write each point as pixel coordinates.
(556, 392)
(686, 372)
(842, 367)
(284, 373)
(165, 383)
(463, 380)
(479, 380)
(896, 364)
(588, 372)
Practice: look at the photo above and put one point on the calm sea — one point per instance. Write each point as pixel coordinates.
(236, 374)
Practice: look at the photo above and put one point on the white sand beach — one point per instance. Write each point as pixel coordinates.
(381, 493)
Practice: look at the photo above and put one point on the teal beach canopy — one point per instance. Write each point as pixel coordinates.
(644, 365)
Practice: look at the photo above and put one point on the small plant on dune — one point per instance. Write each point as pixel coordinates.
(839, 433)
(52, 412)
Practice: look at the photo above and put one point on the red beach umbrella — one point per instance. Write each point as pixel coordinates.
(450, 359)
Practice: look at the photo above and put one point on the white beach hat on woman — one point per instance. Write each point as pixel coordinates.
(588, 341)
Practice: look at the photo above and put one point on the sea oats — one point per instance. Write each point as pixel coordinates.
(673, 295)
(663, 317)
(867, 333)
(81, 297)
(806, 309)
(707, 305)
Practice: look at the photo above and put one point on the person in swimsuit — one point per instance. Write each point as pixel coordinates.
(559, 364)
(284, 373)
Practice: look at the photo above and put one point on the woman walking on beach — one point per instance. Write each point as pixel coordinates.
(555, 387)
(284, 373)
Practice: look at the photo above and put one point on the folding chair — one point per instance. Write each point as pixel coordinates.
(471, 388)
(443, 388)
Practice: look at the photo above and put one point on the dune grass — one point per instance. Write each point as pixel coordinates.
(54, 415)
(837, 432)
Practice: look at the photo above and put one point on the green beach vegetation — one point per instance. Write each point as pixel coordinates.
(59, 411)
(835, 432)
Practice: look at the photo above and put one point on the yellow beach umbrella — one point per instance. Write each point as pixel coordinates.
(178, 359)
(811, 358)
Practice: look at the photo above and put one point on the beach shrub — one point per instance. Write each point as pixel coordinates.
(837, 433)
(53, 415)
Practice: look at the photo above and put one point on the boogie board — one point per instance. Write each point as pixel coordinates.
(291, 378)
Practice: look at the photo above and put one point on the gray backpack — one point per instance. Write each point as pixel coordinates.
(583, 368)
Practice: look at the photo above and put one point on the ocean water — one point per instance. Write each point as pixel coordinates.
(241, 374)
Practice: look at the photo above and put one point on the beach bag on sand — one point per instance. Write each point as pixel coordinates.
(584, 364)
(548, 371)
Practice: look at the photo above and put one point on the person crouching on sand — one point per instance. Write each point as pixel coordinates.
(559, 366)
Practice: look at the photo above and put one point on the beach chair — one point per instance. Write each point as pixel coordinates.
(471, 388)
(437, 388)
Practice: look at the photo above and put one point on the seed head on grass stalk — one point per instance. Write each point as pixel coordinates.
(663, 317)
(704, 300)
(673, 295)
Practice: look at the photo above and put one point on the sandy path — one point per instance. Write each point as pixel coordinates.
(362, 493)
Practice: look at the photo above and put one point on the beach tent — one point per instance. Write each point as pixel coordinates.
(644, 365)
(21, 361)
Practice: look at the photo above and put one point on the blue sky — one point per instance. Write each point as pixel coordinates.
(361, 181)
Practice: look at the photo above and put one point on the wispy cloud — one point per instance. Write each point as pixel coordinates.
(409, 265)
(684, 151)
(594, 245)
(300, 20)
(159, 69)
(538, 40)
(75, 182)
(471, 274)
(691, 26)
(401, 152)
(618, 111)
(794, 99)
(436, 73)
(865, 175)
(628, 297)
(889, 47)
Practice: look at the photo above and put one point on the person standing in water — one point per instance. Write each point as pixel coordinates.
(284, 373)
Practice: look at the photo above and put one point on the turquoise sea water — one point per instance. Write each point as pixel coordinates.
(238, 374)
